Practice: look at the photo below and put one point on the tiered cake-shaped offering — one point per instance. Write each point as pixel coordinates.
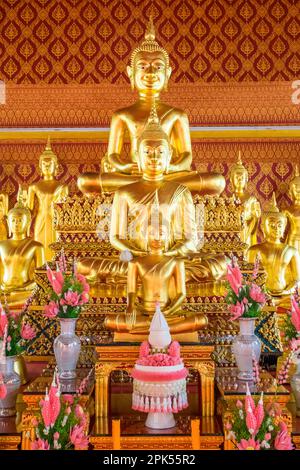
(159, 385)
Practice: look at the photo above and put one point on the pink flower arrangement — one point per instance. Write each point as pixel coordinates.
(255, 427)
(245, 298)
(149, 358)
(63, 423)
(70, 291)
(15, 332)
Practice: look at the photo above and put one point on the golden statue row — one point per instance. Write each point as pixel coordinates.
(153, 220)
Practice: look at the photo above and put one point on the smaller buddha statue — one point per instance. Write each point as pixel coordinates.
(280, 260)
(19, 256)
(45, 193)
(252, 212)
(162, 279)
(293, 213)
(3, 215)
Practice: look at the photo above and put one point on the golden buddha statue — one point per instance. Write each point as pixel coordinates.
(281, 261)
(3, 215)
(134, 208)
(19, 256)
(293, 213)
(46, 192)
(149, 72)
(252, 212)
(162, 279)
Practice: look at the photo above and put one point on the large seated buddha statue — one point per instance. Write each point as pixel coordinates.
(280, 260)
(149, 72)
(153, 197)
(19, 256)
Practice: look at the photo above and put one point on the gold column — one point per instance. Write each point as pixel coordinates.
(116, 434)
(102, 372)
(195, 433)
(206, 371)
(28, 430)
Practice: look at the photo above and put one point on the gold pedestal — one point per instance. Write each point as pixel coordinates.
(123, 357)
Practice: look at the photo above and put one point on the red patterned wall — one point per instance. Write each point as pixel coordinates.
(89, 41)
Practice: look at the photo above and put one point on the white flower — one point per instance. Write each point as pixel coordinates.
(270, 428)
(241, 413)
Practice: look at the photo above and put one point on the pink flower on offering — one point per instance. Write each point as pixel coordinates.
(259, 412)
(8, 339)
(249, 444)
(239, 404)
(249, 402)
(174, 349)
(40, 444)
(56, 436)
(69, 399)
(294, 344)
(84, 298)
(3, 321)
(228, 426)
(70, 298)
(251, 421)
(256, 294)
(236, 310)
(27, 332)
(46, 410)
(56, 280)
(283, 439)
(15, 315)
(51, 310)
(78, 438)
(81, 278)
(295, 318)
(268, 436)
(234, 277)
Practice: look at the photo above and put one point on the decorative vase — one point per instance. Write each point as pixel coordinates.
(12, 382)
(67, 349)
(245, 347)
(295, 384)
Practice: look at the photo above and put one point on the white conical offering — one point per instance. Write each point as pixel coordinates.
(159, 336)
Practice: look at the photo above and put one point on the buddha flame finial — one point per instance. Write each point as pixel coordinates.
(150, 30)
(48, 144)
(149, 44)
(239, 160)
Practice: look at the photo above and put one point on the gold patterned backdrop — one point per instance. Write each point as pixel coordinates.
(89, 41)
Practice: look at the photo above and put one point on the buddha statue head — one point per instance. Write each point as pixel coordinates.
(154, 149)
(239, 176)
(273, 222)
(149, 69)
(19, 219)
(48, 162)
(294, 187)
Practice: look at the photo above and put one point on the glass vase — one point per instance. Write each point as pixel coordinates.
(67, 349)
(295, 384)
(245, 347)
(12, 383)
